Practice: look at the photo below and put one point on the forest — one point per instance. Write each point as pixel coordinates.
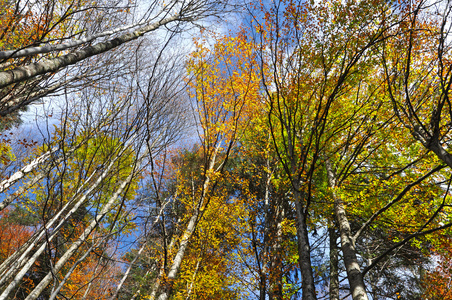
(233, 149)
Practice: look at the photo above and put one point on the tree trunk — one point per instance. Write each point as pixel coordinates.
(334, 264)
(304, 251)
(174, 270)
(82, 238)
(53, 65)
(192, 283)
(22, 260)
(354, 274)
(16, 53)
(5, 184)
(276, 266)
(191, 227)
(143, 246)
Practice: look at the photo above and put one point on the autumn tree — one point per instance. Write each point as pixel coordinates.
(80, 181)
(219, 96)
(417, 75)
(80, 186)
(415, 65)
(436, 282)
(84, 32)
(309, 53)
(320, 128)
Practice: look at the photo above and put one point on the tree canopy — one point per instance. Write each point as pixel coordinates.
(205, 149)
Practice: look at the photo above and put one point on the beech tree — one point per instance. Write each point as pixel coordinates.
(319, 128)
(418, 81)
(27, 79)
(80, 185)
(305, 72)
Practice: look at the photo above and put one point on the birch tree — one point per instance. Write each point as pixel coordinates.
(116, 130)
(23, 83)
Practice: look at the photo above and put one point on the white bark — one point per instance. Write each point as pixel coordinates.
(63, 46)
(192, 282)
(25, 170)
(71, 270)
(180, 255)
(13, 262)
(140, 251)
(30, 261)
(25, 262)
(53, 65)
(16, 101)
(191, 227)
(156, 286)
(81, 239)
(90, 284)
(21, 190)
(29, 168)
(16, 260)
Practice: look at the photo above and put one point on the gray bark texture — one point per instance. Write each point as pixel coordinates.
(82, 238)
(23, 260)
(52, 65)
(334, 265)
(63, 46)
(166, 289)
(304, 251)
(354, 274)
(5, 184)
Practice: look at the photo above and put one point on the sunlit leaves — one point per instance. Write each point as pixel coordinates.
(225, 84)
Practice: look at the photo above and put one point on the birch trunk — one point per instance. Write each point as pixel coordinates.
(192, 283)
(39, 161)
(53, 65)
(140, 251)
(191, 227)
(174, 270)
(24, 171)
(21, 190)
(20, 257)
(71, 270)
(82, 238)
(63, 46)
(26, 264)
